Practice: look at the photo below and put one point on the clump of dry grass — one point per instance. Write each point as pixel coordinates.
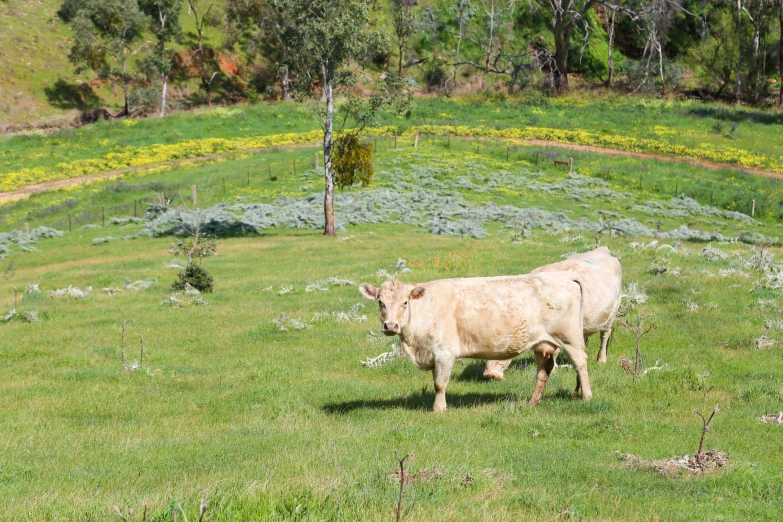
(772, 418)
(705, 462)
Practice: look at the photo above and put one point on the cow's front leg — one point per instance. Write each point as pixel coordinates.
(440, 374)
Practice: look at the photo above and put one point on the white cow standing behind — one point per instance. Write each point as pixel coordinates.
(486, 318)
(602, 278)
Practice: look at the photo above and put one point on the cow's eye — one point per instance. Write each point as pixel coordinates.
(405, 303)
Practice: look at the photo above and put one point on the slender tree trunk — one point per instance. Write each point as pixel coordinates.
(560, 74)
(165, 78)
(756, 90)
(286, 81)
(401, 48)
(610, 60)
(329, 225)
(125, 81)
(738, 89)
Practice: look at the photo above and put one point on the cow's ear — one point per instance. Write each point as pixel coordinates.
(368, 291)
(418, 292)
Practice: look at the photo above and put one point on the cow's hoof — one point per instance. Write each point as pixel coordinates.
(494, 377)
(602, 360)
(439, 407)
(534, 402)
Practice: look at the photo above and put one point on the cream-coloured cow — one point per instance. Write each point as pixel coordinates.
(601, 275)
(486, 318)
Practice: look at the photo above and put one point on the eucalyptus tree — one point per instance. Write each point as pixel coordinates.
(165, 25)
(325, 41)
(106, 34)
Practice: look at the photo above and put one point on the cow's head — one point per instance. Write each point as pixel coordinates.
(393, 303)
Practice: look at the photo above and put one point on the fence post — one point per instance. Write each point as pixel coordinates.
(478, 146)
(448, 141)
(103, 217)
(248, 178)
(536, 159)
(194, 194)
(570, 165)
(506, 152)
(710, 198)
(753, 208)
(640, 182)
(224, 184)
(69, 222)
(27, 229)
(294, 167)
(416, 140)
(316, 154)
(135, 212)
(269, 168)
(395, 140)
(676, 188)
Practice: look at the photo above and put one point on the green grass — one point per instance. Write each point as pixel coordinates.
(289, 425)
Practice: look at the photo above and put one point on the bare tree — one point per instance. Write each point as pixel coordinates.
(463, 11)
(202, 14)
(501, 53)
(610, 13)
(403, 23)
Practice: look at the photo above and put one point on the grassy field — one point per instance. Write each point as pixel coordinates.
(284, 425)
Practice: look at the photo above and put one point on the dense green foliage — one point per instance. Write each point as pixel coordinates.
(196, 276)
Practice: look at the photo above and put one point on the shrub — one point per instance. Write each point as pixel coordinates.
(352, 161)
(196, 276)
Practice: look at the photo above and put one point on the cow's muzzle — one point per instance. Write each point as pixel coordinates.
(391, 328)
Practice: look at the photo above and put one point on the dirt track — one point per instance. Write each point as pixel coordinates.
(28, 190)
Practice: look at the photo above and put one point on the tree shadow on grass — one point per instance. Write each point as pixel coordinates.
(64, 95)
(422, 401)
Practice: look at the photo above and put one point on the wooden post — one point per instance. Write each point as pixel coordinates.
(294, 167)
(103, 217)
(570, 165)
(506, 152)
(753, 208)
(640, 182)
(316, 154)
(194, 194)
(448, 141)
(395, 140)
(134, 209)
(27, 229)
(269, 168)
(224, 184)
(478, 146)
(416, 140)
(536, 159)
(676, 188)
(710, 198)
(248, 178)
(69, 222)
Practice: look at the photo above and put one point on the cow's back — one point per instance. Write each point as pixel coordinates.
(601, 274)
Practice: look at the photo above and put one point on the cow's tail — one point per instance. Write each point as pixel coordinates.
(578, 280)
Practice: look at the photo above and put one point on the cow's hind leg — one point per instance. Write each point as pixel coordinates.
(578, 355)
(495, 370)
(545, 360)
(440, 375)
(604, 343)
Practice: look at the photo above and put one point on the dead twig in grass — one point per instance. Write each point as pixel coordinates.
(706, 427)
(402, 482)
(131, 518)
(638, 328)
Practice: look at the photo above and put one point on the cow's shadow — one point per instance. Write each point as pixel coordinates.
(421, 401)
(474, 370)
